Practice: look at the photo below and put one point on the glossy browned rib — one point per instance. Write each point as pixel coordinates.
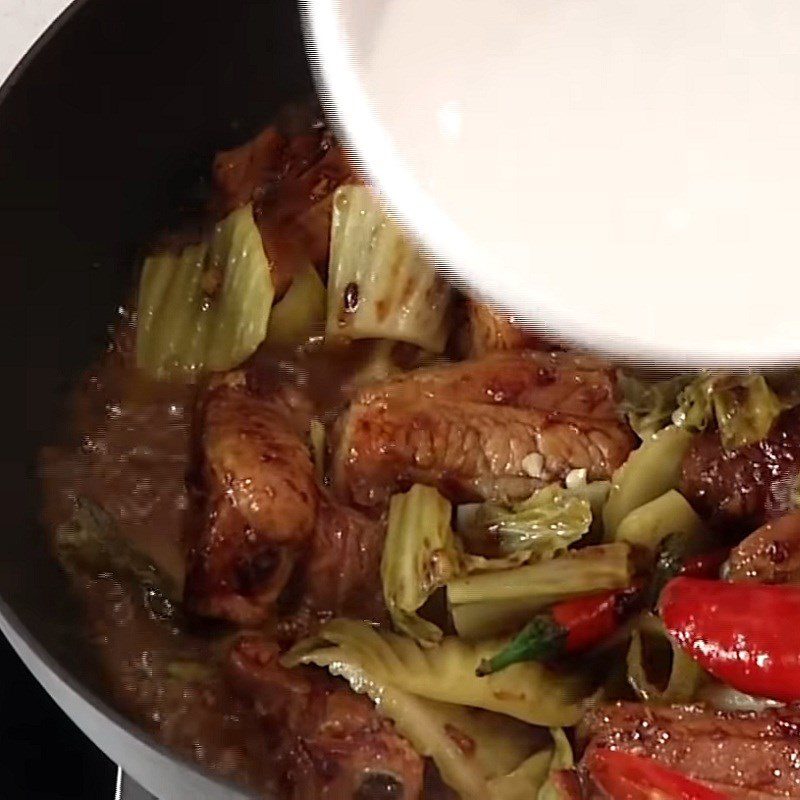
(260, 502)
(744, 755)
(468, 429)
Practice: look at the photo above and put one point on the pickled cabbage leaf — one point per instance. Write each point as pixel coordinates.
(499, 602)
(596, 493)
(562, 758)
(187, 671)
(548, 522)
(318, 436)
(529, 692)
(380, 286)
(205, 309)
(650, 470)
(744, 407)
(584, 571)
(536, 771)
(419, 555)
(659, 671)
(649, 405)
(722, 697)
(506, 759)
(379, 364)
(434, 730)
(89, 543)
(649, 525)
(300, 313)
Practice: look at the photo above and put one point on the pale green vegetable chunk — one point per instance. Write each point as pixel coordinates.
(501, 745)
(548, 522)
(497, 603)
(90, 543)
(190, 671)
(746, 411)
(207, 308)
(536, 771)
(584, 571)
(648, 525)
(318, 437)
(649, 405)
(684, 676)
(419, 555)
(446, 672)
(380, 285)
(300, 313)
(562, 758)
(744, 406)
(722, 697)
(651, 470)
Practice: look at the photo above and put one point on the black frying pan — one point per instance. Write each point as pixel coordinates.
(103, 126)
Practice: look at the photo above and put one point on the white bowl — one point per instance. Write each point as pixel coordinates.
(624, 174)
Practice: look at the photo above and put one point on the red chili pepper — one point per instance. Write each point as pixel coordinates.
(628, 776)
(568, 627)
(705, 565)
(745, 634)
(587, 620)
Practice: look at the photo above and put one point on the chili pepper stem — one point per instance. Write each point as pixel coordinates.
(568, 627)
(541, 639)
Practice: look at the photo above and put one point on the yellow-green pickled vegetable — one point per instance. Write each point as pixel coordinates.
(745, 407)
(317, 436)
(596, 493)
(419, 555)
(206, 309)
(562, 758)
(496, 603)
(647, 526)
(649, 405)
(659, 671)
(498, 765)
(548, 522)
(584, 571)
(300, 313)
(446, 672)
(380, 286)
(535, 773)
(722, 697)
(190, 671)
(651, 470)
(90, 543)
(746, 411)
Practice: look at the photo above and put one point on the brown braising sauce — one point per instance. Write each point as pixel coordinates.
(127, 448)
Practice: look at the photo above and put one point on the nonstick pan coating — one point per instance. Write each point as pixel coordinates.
(104, 125)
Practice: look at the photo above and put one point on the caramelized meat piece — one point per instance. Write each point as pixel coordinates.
(340, 575)
(260, 501)
(558, 382)
(743, 755)
(744, 488)
(343, 574)
(469, 428)
(491, 330)
(331, 743)
(290, 181)
(769, 555)
(265, 519)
